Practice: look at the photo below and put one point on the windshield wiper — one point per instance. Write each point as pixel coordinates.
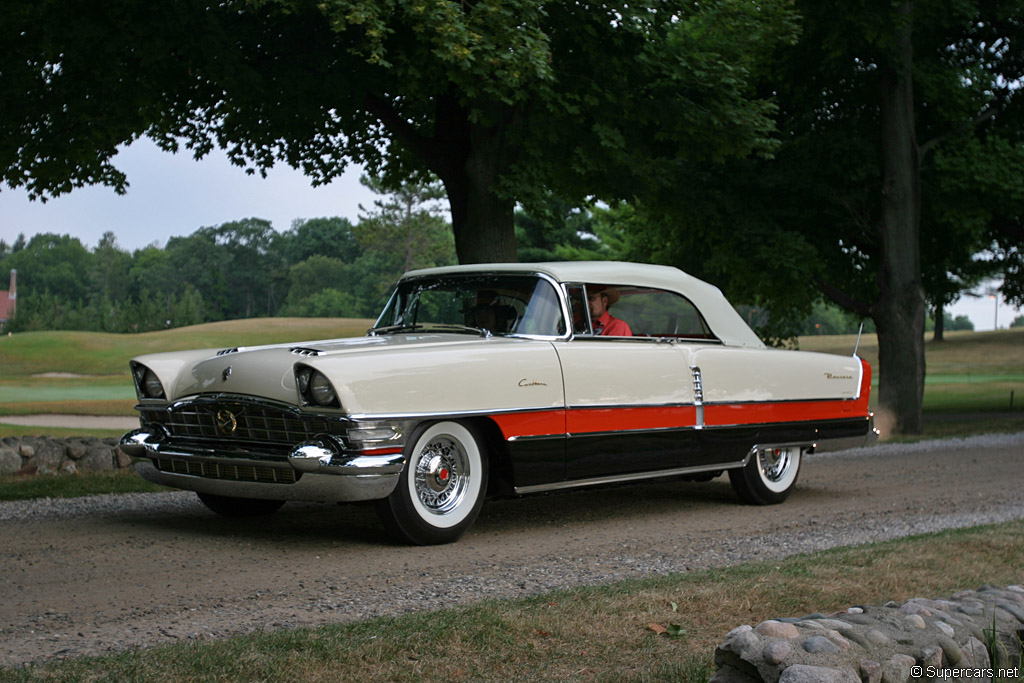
(415, 327)
(390, 329)
(450, 327)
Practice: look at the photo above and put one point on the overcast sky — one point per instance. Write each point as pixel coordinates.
(173, 195)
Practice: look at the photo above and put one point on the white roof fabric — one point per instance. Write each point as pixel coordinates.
(723, 319)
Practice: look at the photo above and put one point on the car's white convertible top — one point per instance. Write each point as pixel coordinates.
(723, 319)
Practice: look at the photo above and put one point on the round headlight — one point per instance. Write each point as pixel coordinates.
(321, 390)
(151, 386)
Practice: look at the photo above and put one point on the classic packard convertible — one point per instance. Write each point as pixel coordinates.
(498, 380)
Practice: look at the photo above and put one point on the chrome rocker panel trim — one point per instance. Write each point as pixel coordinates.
(619, 479)
(325, 471)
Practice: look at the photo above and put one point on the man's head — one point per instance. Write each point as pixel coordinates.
(601, 299)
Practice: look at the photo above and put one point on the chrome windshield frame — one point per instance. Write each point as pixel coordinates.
(555, 285)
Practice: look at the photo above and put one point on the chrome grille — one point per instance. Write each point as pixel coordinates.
(238, 423)
(216, 470)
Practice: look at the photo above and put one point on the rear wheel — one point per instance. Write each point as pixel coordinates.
(769, 475)
(442, 486)
(227, 506)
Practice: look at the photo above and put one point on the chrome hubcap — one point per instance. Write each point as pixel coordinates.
(774, 463)
(442, 475)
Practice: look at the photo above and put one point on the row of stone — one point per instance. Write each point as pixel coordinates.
(921, 639)
(48, 455)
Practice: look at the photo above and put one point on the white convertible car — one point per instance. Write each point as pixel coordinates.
(497, 380)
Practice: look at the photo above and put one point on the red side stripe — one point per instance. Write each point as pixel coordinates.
(534, 423)
(764, 413)
(588, 420)
(557, 422)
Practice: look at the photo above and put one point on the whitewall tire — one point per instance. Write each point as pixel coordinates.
(769, 476)
(442, 486)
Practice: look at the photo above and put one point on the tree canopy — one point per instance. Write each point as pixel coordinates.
(502, 100)
(901, 140)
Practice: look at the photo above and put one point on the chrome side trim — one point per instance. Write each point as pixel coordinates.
(698, 394)
(449, 413)
(604, 406)
(828, 399)
(536, 437)
(621, 406)
(616, 479)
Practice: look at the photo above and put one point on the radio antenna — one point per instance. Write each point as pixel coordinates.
(857, 345)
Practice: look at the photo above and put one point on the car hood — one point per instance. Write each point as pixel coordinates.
(371, 374)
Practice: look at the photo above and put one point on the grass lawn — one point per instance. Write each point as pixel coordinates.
(73, 486)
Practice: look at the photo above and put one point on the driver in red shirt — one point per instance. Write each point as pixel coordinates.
(600, 299)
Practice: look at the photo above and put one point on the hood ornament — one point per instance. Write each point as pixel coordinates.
(224, 375)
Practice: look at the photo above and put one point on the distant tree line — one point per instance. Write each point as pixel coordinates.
(327, 267)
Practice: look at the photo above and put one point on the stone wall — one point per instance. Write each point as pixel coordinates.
(920, 640)
(47, 455)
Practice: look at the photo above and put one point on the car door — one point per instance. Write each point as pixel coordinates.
(630, 399)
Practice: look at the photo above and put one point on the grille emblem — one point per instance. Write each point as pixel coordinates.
(226, 422)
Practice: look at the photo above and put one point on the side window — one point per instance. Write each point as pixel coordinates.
(657, 313)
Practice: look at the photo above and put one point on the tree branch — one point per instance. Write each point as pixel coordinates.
(842, 299)
(403, 131)
(928, 146)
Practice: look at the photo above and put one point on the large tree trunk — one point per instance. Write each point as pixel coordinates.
(483, 222)
(900, 310)
(469, 158)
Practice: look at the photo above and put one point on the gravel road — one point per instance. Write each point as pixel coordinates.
(92, 575)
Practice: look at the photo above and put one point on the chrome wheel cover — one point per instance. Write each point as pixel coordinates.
(442, 475)
(777, 467)
(774, 463)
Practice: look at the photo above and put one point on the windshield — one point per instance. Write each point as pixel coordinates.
(485, 304)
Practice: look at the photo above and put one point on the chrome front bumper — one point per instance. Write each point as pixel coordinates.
(321, 469)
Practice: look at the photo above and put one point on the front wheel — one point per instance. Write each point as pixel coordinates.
(442, 486)
(227, 506)
(769, 475)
